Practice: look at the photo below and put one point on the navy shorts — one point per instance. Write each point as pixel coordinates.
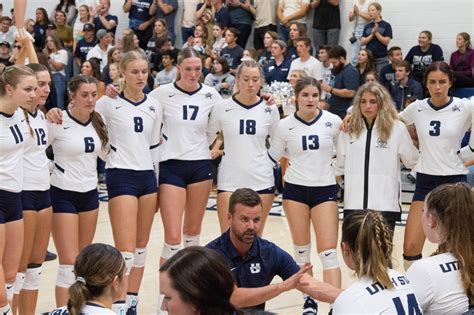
(311, 196)
(10, 207)
(35, 200)
(426, 183)
(66, 201)
(270, 190)
(182, 173)
(129, 182)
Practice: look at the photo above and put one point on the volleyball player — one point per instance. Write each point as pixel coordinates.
(17, 88)
(185, 167)
(307, 138)
(246, 122)
(443, 282)
(441, 122)
(35, 197)
(369, 154)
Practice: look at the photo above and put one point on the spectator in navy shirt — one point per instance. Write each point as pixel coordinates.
(42, 21)
(104, 20)
(233, 53)
(253, 261)
(387, 73)
(406, 90)
(220, 12)
(85, 45)
(344, 82)
(140, 19)
(279, 66)
(377, 35)
(422, 55)
(166, 9)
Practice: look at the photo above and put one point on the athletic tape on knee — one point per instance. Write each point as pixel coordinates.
(128, 257)
(20, 279)
(409, 260)
(10, 287)
(66, 276)
(329, 259)
(32, 278)
(302, 254)
(191, 240)
(169, 250)
(139, 257)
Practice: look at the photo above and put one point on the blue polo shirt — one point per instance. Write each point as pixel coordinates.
(264, 261)
(274, 72)
(347, 78)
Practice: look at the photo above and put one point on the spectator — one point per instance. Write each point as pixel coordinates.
(42, 22)
(85, 44)
(462, 61)
(364, 64)
(5, 55)
(377, 35)
(130, 42)
(63, 30)
(265, 22)
(220, 13)
(114, 75)
(406, 89)
(359, 13)
(250, 53)
(265, 54)
(57, 60)
(104, 20)
(166, 10)
(160, 30)
(305, 61)
(253, 261)
(161, 45)
(168, 74)
(289, 12)
(188, 19)
(345, 84)
(242, 14)
(422, 55)
(233, 53)
(219, 41)
(290, 108)
(205, 19)
(91, 68)
(326, 66)
(387, 73)
(220, 77)
(69, 8)
(296, 31)
(78, 29)
(6, 31)
(326, 23)
(113, 56)
(100, 50)
(140, 19)
(372, 76)
(278, 68)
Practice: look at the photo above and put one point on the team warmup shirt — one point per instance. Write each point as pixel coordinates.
(371, 167)
(12, 138)
(76, 146)
(185, 121)
(309, 148)
(245, 162)
(366, 296)
(35, 162)
(440, 132)
(437, 283)
(134, 132)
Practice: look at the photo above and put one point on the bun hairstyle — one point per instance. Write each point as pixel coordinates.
(96, 267)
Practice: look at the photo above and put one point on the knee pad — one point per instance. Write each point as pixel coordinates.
(131, 300)
(139, 257)
(66, 276)
(32, 278)
(302, 254)
(20, 279)
(6, 310)
(169, 250)
(10, 288)
(128, 258)
(409, 260)
(329, 259)
(191, 240)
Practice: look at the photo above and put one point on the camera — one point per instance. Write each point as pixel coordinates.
(353, 39)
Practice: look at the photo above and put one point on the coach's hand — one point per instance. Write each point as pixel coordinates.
(55, 116)
(293, 281)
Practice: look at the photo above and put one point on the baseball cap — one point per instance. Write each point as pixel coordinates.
(88, 27)
(101, 33)
(5, 43)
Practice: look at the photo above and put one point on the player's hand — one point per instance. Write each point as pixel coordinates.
(112, 91)
(269, 99)
(216, 153)
(346, 123)
(55, 116)
(293, 281)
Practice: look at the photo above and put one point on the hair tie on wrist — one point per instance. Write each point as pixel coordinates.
(81, 279)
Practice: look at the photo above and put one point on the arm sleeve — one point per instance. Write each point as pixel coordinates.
(52, 132)
(407, 115)
(286, 264)
(438, 54)
(409, 56)
(467, 153)
(277, 144)
(422, 284)
(275, 120)
(351, 80)
(340, 160)
(388, 31)
(406, 149)
(155, 140)
(214, 125)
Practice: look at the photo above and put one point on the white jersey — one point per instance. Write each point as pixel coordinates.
(35, 162)
(134, 132)
(309, 148)
(12, 138)
(76, 146)
(368, 297)
(313, 67)
(467, 153)
(88, 309)
(372, 167)
(245, 162)
(437, 283)
(440, 132)
(185, 121)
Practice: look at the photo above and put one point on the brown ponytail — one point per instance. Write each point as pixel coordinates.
(370, 241)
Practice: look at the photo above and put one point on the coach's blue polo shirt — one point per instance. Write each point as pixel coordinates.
(274, 72)
(264, 261)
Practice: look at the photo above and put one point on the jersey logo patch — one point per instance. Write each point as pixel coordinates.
(255, 268)
(209, 95)
(151, 108)
(381, 144)
(228, 109)
(268, 110)
(456, 108)
(328, 124)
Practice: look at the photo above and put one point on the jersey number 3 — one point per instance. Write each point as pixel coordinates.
(436, 125)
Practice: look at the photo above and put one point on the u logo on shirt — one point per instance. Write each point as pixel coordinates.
(255, 268)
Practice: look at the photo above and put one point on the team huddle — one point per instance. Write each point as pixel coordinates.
(158, 149)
